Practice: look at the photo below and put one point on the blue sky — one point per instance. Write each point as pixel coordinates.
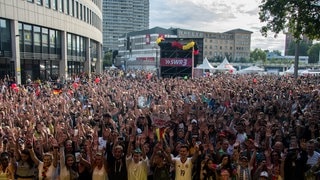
(214, 16)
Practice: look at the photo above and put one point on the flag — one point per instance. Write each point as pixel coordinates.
(57, 91)
(160, 132)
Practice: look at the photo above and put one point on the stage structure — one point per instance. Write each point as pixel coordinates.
(178, 57)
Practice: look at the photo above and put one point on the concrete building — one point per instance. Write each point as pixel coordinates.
(140, 51)
(120, 17)
(47, 39)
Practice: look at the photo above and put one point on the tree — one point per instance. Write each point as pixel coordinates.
(314, 53)
(299, 17)
(277, 52)
(303, 50)
(107, 59)
(258, 55)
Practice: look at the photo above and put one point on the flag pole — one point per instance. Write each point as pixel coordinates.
(192, 59)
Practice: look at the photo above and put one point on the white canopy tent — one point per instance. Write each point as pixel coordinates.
(205, 65)
(225, 66)
(251, 69)
(290, 70)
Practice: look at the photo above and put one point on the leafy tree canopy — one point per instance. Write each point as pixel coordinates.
(314, 53)
(296, 16)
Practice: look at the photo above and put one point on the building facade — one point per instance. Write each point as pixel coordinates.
(120, 17)
(47, 39)
(139, 50)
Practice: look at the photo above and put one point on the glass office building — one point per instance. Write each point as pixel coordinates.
(47, 39)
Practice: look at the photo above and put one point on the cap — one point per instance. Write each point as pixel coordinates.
(244, 158)
(264, 174)
(194, 121)
(138, 151)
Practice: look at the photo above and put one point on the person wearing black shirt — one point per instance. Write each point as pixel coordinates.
(117, 163)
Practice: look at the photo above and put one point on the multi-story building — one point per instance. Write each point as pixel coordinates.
(120, 17)
(140, 48)
(46, 39)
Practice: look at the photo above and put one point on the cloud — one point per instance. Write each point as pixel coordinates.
(213, 16)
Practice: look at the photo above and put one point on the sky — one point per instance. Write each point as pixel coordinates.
(214, 16)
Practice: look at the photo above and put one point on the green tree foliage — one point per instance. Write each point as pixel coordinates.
(298, 17)
(107, 59)
(314, 53)
(303, 48)
(277, 52)
(258, 55)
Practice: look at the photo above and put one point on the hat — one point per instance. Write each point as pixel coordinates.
(243, 158)
(264, 174)
(138, 151)
(194, 121)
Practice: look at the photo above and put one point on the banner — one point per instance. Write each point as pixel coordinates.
(160, 121)
(176, 62)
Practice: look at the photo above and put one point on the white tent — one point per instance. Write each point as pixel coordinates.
(290, 70)
(205, 65)
(225, 66)
(251, 69)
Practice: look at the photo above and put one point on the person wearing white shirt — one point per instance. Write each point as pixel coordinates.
(137, 163)
(184, 164)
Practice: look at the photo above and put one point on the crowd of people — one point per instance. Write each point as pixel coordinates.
(135, 126)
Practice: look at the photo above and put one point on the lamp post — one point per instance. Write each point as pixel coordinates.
(17, 60)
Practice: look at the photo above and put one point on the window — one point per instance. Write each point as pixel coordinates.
(47, 3)
(67, 5)
(78, 46)
(52, 34)
(69, 44)
(27, 37)
(84, 13)
(88, 15)
(39, 2)
(77, 10)
(54, 4)
(37, 39)
(61, 6)
(72, 8)
(5, 35)
(58, 42)
(20, 26)
(45, 41)
(80, 9)
(30, 1)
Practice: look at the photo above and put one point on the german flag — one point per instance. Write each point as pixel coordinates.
(57, 91)
(160, 132)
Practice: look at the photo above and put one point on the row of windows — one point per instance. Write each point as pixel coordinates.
(216, 47)
(73, 8)
(36, 39)
(215, 54)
